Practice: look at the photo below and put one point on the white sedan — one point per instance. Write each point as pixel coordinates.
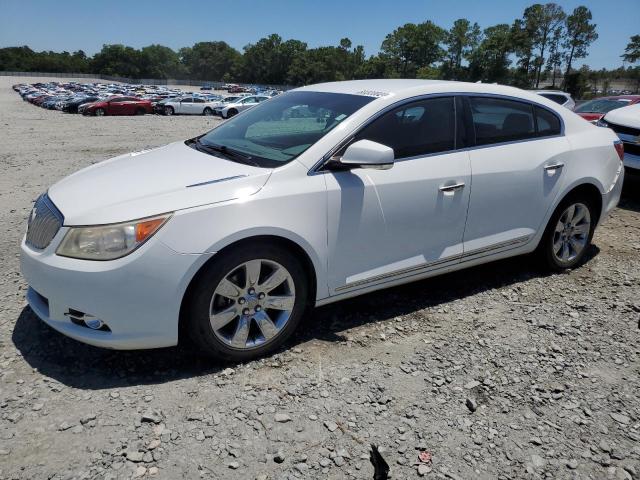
(229, 109)
(317, 195)
(190, 105)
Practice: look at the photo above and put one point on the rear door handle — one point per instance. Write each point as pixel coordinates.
(452, 188)
(556, 166)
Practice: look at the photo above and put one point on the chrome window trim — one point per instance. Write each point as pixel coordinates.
(317, 168)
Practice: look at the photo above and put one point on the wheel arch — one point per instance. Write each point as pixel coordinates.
(591, 188)
(591, 191)
(310, 267)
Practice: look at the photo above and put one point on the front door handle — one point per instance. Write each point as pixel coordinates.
(555, 166)
(452, 188)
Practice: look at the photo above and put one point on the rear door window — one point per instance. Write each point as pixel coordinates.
(497, 120)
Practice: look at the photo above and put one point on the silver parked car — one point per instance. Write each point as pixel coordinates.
(558, 96)
(230, 109)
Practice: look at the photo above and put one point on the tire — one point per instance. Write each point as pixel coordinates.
(207, 112)
(140, 111)
(216, 323)
(168, 111)
(99, 112)
(568, 234)
(232, 112)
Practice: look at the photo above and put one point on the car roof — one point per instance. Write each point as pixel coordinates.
(414, 87)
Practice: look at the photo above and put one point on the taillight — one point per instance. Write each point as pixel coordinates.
(619, 149)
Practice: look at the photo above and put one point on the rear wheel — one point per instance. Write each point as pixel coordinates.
(247, 303)
(100, 112)
(568, 233)
(140, 111)
(168, 111)
(208, 112)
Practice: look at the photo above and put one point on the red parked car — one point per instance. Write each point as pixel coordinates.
(118, 106)
(594, 110)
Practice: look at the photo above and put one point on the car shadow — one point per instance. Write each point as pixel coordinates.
(78, 365)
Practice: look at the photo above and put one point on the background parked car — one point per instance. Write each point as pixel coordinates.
(233, 108)
(119, 106)
(597, 108)
(558, 96)
(72, 105)
(189, 105)
(625, 122)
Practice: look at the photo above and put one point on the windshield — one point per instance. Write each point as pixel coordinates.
(601, 106)
(278, 130)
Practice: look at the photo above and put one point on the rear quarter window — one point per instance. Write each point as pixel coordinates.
(548, 123)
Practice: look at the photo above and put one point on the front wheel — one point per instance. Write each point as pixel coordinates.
(208, 112)
(247, 303)
(168, 111)
(232, 112)
(568, 234)
(140, 111)
(99, 112)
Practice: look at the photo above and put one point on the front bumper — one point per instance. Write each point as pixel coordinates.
(631, 160)
(138, 296)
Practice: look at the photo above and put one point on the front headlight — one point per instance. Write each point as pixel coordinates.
(108, 242)
(602, 123)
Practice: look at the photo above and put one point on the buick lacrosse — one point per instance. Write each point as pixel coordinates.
(320, 194)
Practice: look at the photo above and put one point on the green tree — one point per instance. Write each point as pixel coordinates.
(414, 46)
(461, 41)
(542, 21)
(158, 61)
(632, 51)
(117, 60)
(328, 64)
(554, 60)
(209, 60)
(580, 33)
(576, 82)
(521, 36)
(490, 62)
(269, 59)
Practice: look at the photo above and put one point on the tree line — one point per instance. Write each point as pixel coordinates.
(544, 44)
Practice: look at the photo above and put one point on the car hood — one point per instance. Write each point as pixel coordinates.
(626, 116)
(151, 182)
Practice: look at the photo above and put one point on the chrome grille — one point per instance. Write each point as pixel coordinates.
(44, 222)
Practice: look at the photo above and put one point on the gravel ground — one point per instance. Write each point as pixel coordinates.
(496, 372)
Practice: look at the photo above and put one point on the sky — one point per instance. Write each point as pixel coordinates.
(87, 25)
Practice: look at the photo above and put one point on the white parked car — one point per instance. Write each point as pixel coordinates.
(558, 96)
(189, 105)
(625, 122)
(229, 109)
(227, 238)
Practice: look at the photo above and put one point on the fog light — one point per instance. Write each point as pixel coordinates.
(93, 322)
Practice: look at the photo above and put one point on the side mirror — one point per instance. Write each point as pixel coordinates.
(368, 154)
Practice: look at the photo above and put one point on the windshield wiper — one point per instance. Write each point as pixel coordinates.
(226, 151)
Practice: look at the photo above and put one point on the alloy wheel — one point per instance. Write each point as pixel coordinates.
(571, 234)
(252, 304)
